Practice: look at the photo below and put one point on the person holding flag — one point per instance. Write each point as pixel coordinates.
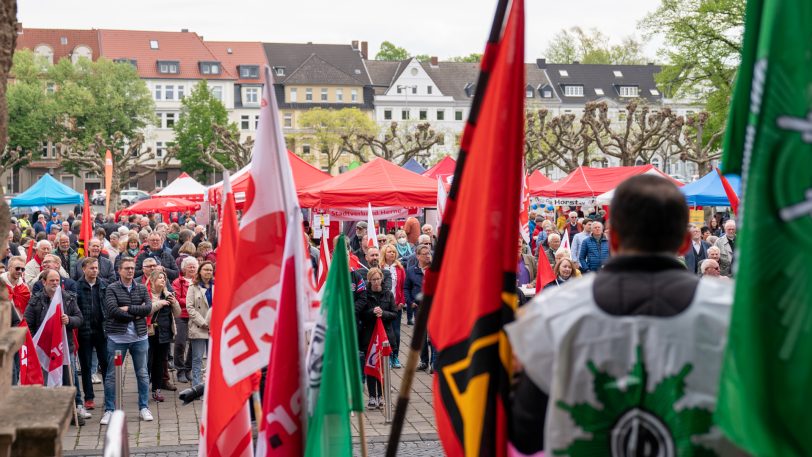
(376, 306)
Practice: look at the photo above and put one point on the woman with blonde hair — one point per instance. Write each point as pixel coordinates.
(564, 270)
(198, 303)
(160, 328)
(390, 263)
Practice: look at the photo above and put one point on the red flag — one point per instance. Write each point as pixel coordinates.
(324, 262)
(86, 233)
(524, 212)
(355, 264)
(373, 365)
(731, 194)
(30, 254)
(544, 272)
(30, 370)
(478, 266)
(51, 341)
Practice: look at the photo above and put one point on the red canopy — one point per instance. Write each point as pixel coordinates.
(304, 175)
(379, 182)
(160, 205)
(586, 182)
(442, 169)
(537, 180)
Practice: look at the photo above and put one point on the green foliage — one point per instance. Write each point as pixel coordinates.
(31, 109)
(422, 57)
(390, 51)
(328, 129)
(471, 58)
(200, 111)
(592, 47)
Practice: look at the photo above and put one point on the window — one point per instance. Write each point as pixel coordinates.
(293, 94)
(209, 68)
(158, 90)
(161, 179)
(628, 91)
(618, 73)
(245, 122)
(133, 182)
(250, 96)
(67, 180)
(217, 92)
(45, 152)
(309, 94)
(305, 149)
(598, 91)
(153, 44)
(387, 114)
(278, 71)
(573, 91)
(159, 149)
(654, 92)
(169, 94)
(428, 90)
(528, 93)
(252, 71)
(46, 52)
(168, 67)
(458, 115)
(169, 120)
(423, 115)
(563, 73)
(414, 89)
(339, 95)
(256, 122)
(180, 92)
(440, 115)
(399, 89)
(288, 120)
(51, 88)
(63, 40)
(354, 95)
(404, 115)
(324, 94)
(548, 93)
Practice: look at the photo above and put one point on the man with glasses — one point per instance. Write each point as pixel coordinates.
(106, 269)
(157, 251)
(726, 245)
(422, 240)
(710, 267)
(18, 290)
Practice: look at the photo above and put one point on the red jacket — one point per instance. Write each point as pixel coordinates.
(400, 297)
(181, 289)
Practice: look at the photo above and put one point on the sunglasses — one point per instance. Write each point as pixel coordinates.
(19, 269)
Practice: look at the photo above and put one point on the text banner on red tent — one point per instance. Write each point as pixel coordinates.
(590, 201)
(361, 213)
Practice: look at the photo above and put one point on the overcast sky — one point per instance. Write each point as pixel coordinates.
(435, 27)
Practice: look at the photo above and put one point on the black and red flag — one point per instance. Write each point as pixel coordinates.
(470, 290)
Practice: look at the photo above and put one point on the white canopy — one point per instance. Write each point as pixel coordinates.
(184, 187)
(606, 197)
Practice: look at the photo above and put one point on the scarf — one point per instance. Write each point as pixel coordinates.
(404, 250)
(133, 252)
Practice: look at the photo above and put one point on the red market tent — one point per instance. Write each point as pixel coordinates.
(304, 175)
(537, 180)
(162, 205)
(381, 183)
(442, 169)
(185, 187)
(584, 184)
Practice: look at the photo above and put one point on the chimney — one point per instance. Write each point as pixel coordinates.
(434, 62)
(541, 63)
(184, 30)
(364, 50)
(355, 45)
(575, 62)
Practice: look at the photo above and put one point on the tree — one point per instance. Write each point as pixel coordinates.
(422, 57)
(703, 47)
(592, 47)
(329, 128)
(560, 141)
(8, 40)
(694, 145)
(389, 51)
(396, 143)
(228, 143)
(470, 58)
(198, 145)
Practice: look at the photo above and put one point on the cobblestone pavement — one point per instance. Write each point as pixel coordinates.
(174, 432)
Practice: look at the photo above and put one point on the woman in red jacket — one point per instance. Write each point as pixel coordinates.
(389, 254)
(182, 356)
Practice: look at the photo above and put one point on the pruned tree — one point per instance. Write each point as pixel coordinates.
(396, 143)
(560, 141)
(641, 134)
(228, 145)
(694, 145)
(128, 158)
(326, 129)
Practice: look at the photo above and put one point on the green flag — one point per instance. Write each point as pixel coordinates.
(765, 393)
(337, 390)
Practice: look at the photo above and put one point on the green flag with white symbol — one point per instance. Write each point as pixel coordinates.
(766, 387)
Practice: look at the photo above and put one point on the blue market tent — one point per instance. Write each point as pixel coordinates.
(414, 165)
(47, 192)
(708, 191)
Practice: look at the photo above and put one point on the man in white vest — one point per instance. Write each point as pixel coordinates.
(630, 356)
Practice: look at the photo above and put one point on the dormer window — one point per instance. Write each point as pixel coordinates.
(153, 44)
(573, 91)
(209, 68)
(628, 91)
(278, 71)
(470, 89)
(168, 67)
(249, 71)
(528, 92)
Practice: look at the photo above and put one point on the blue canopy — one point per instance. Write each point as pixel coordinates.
(414, 165)
(708, 191)
(48, 192)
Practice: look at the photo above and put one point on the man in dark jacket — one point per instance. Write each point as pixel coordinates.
(698, 250)
(106, 270)
(90, 298)
(412, 287)
(594, 250)
(127, 305)
(156, 250)
(65, 252)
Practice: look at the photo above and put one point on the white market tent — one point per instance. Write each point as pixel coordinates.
(606, 197)
(184, 187)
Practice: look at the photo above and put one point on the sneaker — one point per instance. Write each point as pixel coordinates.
(145, 414)
(90, 404)
(96, 378)
(82, 412)
(106, 418)
(80, 418)
(410, 322)
(397, 363)
(373, 403)
(381, 403)
(422, 366)
(157, 396)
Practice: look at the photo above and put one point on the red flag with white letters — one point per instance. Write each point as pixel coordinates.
(373, 365)
(30, 370)
(51, 342)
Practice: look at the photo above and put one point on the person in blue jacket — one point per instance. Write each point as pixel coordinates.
(594, 250)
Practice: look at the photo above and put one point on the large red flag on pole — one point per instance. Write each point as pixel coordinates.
(544, 272)
(373, 365)
(30, 370)
(478, 267)
(86, 230)
(51, 341)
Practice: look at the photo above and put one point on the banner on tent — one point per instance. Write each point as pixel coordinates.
(360, 213)
(588, 201)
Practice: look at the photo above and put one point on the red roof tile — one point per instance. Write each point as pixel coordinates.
(31, 38)
(235, 53)
(184, 47)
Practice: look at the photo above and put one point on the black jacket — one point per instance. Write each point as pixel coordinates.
(91, 303)
(413, 285)
(138, 301)
(106, 270)
(364, 308)
(38, 308)
(693, 260)
(164, 258)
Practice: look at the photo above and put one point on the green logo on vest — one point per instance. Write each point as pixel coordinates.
(634, 422)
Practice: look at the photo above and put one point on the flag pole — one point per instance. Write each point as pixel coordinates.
(426, 298)
(362, 433)
(70, 380)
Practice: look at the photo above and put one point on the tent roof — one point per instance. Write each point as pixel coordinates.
(304, 175)
(48, 192)
(160, 205)
(378, 182)
(184, 186)
(442, 169)
(537, 180)
(708, 190)
(414, 165)
(586, 182)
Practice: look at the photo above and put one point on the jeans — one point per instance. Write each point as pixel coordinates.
(87, 343)
(424, 353)
(198, 349)
(396, 332)
(66, 381)
(182, 356)
(138, 352)
(410, 313)
(94, 362)
(374, 387)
